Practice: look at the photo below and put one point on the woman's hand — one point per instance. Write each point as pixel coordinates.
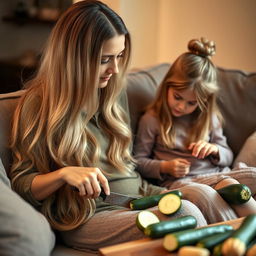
(202, 149)
(88, 180)
(178, 167)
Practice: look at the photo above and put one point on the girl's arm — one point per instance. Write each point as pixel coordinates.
(216, 148)
(225, 155)
(144, 145)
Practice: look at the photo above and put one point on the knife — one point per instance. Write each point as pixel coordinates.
(115, 198)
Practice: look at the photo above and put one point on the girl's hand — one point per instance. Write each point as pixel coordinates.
(202, 149)
(88, 180)
(178, 167)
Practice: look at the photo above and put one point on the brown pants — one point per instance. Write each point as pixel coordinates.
(118, 226)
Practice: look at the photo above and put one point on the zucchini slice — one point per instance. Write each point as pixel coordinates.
(193, 251)
(192, 236)
(162, 228)
(235, 193)
(150, 201)
(237, 243)
(169, 204)
(145, 218)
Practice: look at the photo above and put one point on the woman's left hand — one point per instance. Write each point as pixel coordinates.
(202, 149)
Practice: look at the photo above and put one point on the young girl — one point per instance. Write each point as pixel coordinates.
(70, 129)
(180, 139)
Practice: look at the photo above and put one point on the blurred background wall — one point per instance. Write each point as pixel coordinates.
(160, 30)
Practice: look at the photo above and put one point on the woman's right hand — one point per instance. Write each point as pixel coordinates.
(178, 167)
(88, 180)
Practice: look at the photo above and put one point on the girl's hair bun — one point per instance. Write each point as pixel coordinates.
(202, 47)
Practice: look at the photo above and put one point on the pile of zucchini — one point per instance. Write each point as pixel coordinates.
(181, 233)
(217, 240)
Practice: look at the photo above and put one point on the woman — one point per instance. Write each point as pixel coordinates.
(70, 130)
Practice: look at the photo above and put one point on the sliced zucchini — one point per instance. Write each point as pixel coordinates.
(211, 241)
(237, 243)
(150, 201)
(165, 227)
(193, 251)
(145, 218)
(192, 236)
(235, 193)
(169, 204)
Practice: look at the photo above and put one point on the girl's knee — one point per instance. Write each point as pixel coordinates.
(225, 182)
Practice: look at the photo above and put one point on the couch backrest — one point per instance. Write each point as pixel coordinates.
(237, 102)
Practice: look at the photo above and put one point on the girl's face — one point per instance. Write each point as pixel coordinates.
(181, 102)
(112, 51)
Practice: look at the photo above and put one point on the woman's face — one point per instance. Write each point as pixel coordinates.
(112, 51)
(181, 102)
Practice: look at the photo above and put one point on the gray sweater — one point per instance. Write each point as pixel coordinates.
(150, 150)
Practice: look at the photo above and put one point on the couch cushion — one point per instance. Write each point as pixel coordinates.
(237, 102)
(8, 102)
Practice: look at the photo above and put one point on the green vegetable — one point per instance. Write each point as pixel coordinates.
(192, 236)
(237, 243)
(165, 227)
(251, 251)
(145, 218)
(150, 201)
(211, 241)
(193, 251)
(235, 193)
(217, 250)
(169, 204)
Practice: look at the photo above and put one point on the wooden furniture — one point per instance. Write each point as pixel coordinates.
(149, 247)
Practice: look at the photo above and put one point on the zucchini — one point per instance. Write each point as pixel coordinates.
(169, 204)
(150, 201)
(145, 218)
(192, 236)
(237, 243)
(162, 228)
(193, 251)
(217, 250)
(211, 241)
(251, 251)
(251, 248)
(235, 193)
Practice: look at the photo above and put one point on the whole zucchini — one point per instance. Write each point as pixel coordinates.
(235, 193)
(165, 227)
(192, 236)
(150, 201)
(237, 243)
(211, 241)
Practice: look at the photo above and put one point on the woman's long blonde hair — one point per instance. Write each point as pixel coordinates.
(193, 70)
(50, 129)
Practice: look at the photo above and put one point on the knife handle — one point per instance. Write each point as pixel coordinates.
(102, 193)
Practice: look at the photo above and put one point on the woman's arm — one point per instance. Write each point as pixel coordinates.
(87, 180)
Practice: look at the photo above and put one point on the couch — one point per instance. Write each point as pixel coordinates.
(237, 101)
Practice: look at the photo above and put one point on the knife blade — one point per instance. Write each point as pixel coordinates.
(117, 199)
